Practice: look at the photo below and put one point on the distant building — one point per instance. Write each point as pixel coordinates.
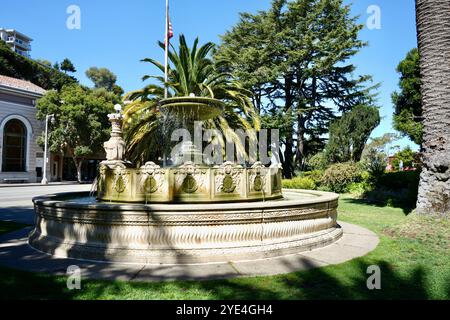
(18, 42)
(391, 165)
(21, 159)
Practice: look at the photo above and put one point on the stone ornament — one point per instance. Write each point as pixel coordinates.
(228, 178)
(115, 147)
(257, 183)
(152, 178)
(225, 183)
(189, 178)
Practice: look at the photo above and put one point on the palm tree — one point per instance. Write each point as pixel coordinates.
(433, 24)
(193, 72)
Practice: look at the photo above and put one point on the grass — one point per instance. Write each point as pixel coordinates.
(414, 257)
(6, 226)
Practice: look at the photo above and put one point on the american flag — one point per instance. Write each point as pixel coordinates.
(170, 34)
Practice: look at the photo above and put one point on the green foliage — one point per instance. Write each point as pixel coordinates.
(318, 161)
(192, 71)
(399, 180)
(408, 102)
(349, 134)
(102, 78)
(305, 183)
(81, 123)
(294, 58)
(338, 177)
(406, 156)
(16, 66)
(396, 189)
(359, 189)
(118, 90)
(67, 66)
(315, 175)
(44, 62)
(375, 164)
(375, 156)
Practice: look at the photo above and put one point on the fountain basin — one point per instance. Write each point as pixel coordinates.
(188, 183)
(192, 108)
(77, 226)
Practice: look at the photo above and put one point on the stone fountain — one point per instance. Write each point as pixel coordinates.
(187, 213)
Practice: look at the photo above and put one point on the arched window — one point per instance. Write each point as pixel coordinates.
(14, 146)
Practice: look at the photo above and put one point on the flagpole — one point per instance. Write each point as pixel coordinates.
(166, 58)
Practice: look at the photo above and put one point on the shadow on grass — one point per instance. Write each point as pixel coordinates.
(395, 189)
(324, 283)
(406, 206)
(22, 215)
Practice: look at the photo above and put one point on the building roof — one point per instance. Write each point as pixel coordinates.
(20, 34)
(22, 85)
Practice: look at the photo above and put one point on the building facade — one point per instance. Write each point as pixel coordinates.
(21, 159)
(18, 42)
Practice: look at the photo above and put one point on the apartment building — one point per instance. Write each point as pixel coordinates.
(18, 42)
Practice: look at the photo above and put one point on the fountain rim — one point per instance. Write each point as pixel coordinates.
(59, 200)
(191, 100)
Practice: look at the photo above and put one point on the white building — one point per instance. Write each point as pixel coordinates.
(18, 42)
(21, 159)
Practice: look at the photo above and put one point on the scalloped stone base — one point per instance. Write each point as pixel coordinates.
(75, 226)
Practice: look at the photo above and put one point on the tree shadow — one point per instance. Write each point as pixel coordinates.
(395, 189)
(23, 215)
(322, 283)
(342, 282)
(381, 202)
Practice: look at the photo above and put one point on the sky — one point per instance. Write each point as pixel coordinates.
(118, 34)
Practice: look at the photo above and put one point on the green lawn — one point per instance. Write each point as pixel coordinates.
(6, 227)
(414, 257)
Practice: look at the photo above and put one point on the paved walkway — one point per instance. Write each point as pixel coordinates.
(356, 242)
(16, 204)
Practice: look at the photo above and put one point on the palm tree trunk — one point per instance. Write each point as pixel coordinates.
(433, 34)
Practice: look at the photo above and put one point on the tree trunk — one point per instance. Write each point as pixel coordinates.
(433, 25)
(78, 164)
(288, 165)
(288, 170)
(299, 154)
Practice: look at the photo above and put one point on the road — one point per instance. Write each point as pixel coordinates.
(16, 204)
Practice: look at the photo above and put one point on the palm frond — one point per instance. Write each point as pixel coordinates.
(191, 71)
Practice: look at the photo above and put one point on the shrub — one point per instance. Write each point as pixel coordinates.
(358, 189)
(338, 177)
(399, 180)
(315, 175)
(402, 198)
(318, 161)
(365, 176)
(397, 189)
(305, 183)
